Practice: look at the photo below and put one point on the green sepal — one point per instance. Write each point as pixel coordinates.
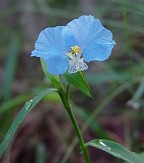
(53, 79)
(78, 80)
(116, 150)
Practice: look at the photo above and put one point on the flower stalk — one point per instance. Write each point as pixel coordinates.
(65, 99)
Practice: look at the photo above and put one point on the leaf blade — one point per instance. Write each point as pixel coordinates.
(21, 116)
(78, 80)
(116, 150)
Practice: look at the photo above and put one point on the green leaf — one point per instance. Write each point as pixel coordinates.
(78, 80)
(21, 116)
(53, 79)
(116, 150)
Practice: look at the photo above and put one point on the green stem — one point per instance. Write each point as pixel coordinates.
(68, 92)
(79, 135)
(66, 103)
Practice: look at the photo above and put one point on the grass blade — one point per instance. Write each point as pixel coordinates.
(21, 116)
(10, 67)
(116, 150)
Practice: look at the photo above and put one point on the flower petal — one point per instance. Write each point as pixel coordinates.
(94, 40)
(69, 39)
(56, 63)
(78, 30)
(100, 46)
(50, 40)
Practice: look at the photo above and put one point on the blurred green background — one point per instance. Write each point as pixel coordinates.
(116, 113)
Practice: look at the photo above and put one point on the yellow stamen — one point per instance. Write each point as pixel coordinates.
(74, 50)
(70, 53)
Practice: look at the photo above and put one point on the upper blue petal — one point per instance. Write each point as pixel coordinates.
(89, 34)
(49, 40)
(69, 39)
(99, 47)
(50, 47)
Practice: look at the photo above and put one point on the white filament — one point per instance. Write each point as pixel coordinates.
(76, 63)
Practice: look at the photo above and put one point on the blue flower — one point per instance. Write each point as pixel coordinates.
(69, 47)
